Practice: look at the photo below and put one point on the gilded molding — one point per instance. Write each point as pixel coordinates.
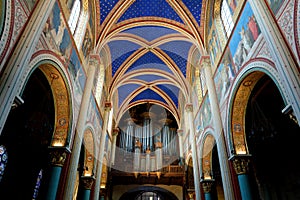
(87, 182)
(58, 157)
(241, 164)
(207, 185)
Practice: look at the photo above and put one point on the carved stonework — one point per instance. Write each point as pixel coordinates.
(180, 132)
(87, 182)
(189, 107)
(207, 185)
(107, 106)
(58, 157)
(241, 164)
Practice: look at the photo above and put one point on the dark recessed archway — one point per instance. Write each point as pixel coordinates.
(27, 135)
(273, 141)
(162, 193)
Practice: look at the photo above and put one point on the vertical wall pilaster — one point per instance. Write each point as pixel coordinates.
(107, 110)
(192, 137)
(219, 133)
(75, 152)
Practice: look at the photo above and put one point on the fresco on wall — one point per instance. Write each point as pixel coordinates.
(203, 118)
(214, 46)
(244, 36)
(77, 74)
(224, 76)
(86, 44)
(275, 5)
(57, 34)
(30, 4)
(232, 5)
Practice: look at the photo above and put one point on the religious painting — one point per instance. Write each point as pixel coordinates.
(224, 76)
(86, 44)
(30, 4)
(244, 36)
(203, 118)
(214, 46)
(57, 34)
(77, 74)
(275, 5)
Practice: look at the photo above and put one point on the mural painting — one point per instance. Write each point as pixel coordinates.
(214, 45)
(224, 76)
(275, 5)
(245, 34)
(57, 34)
(203, 118)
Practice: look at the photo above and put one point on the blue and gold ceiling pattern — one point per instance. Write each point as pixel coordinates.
(149, 44)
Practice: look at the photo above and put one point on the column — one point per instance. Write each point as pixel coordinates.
(71, 178)
(107, 109)
(207, 185)
(58, 157)
(283, 57)
(189, 110)
(241, 167)
(114, 143)
(180, 135)
(158, 155)
(20, 57)
(219, 133)
(85, 186)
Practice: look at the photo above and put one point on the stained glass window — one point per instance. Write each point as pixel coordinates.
(3, 160)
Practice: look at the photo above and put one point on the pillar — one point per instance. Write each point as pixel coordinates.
(71, 178)
(107, 109)
(114, 143)
(189, 110)
(15, 67)
(159, 158)
(241, 167)
(58, 157)
(282, 55)
(207, 185)
(85, 186)
(217, 124)
(180, 135)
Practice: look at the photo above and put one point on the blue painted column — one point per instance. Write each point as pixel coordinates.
(207, 185)
(58, 157)
(241, 167)
(86, 183)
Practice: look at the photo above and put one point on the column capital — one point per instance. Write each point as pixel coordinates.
(207, 185)
(58, 156)
(240, 163)
(189, 107)
(94, 60)
(205, 61)
(115, 131)
(180, 132)
(87, 182)
(107, 106)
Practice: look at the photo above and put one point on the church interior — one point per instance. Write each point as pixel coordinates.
(149, 99)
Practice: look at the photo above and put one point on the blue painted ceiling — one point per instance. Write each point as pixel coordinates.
(154, 44)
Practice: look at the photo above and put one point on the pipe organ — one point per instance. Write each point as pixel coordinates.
(151, 144)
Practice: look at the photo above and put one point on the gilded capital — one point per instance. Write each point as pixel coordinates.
(241, 164)
(107, 106)
(207, 185)
(180, 132)
(58, 157)
(189, 107)
(94, 60)
(115, 131)
(87, 182)
(205, 61)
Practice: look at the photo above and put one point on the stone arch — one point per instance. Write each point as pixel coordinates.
(58, 80)
(243, 85)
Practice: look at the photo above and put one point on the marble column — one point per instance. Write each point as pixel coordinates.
(281, 52)
(107, 109)
(114, 143)
(58, 157)
(192, 137)
(71, 178)
(19, 59)
(207, 185)
(85, 186)
(218, 128)
(241, 167)
(181, 156)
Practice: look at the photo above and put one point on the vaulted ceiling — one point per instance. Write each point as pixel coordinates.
(150, 44)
